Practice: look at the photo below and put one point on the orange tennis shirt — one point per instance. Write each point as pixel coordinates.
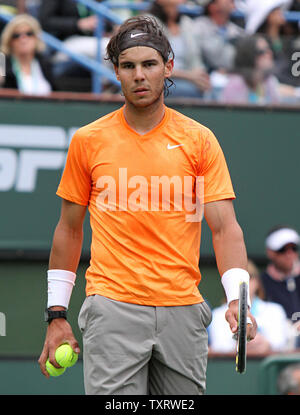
(141, 194)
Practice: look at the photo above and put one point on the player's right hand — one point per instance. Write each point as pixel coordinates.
(231, 316)
(59, 331)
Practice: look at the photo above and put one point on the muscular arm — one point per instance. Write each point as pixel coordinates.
(65, 255)
(68, 236)
(227, 236)
(230, 250)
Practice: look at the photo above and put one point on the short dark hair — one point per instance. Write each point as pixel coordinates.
(153, 36)
(145, 24)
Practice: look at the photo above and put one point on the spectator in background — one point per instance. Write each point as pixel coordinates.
(288, 380)
(281, 279)
(26, 68)
(270, 337)
(189, 74)
(216, 37)
(65, 18)
(267, 18)
(252, 80)
(74, 24)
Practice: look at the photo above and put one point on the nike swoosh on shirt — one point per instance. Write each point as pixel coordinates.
(136, 34)
(169, 147)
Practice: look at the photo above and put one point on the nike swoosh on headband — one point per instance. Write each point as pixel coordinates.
(136, 34)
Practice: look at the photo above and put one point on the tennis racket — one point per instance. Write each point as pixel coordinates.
(241, 349)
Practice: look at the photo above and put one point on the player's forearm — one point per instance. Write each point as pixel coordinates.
(66, 248)
(229, 247)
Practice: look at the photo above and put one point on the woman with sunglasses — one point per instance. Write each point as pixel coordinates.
(252, 80)
(27, 69)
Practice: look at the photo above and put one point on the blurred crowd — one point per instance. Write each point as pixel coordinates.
(242, 51)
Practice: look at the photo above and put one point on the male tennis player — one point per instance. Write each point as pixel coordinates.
(137, 169)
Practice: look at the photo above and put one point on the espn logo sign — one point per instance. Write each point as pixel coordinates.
(2, 64)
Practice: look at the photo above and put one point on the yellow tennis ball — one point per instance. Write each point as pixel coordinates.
(53, 371)
(65, 356)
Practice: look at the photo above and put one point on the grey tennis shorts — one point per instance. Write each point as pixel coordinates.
(129, 349)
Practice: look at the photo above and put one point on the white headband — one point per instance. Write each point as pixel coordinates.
(278, 239)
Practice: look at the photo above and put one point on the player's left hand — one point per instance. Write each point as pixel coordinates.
(231, 316)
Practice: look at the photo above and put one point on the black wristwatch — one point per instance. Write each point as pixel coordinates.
(51, 314)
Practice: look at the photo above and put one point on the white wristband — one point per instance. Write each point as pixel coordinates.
(60, 286)
(231, 280)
